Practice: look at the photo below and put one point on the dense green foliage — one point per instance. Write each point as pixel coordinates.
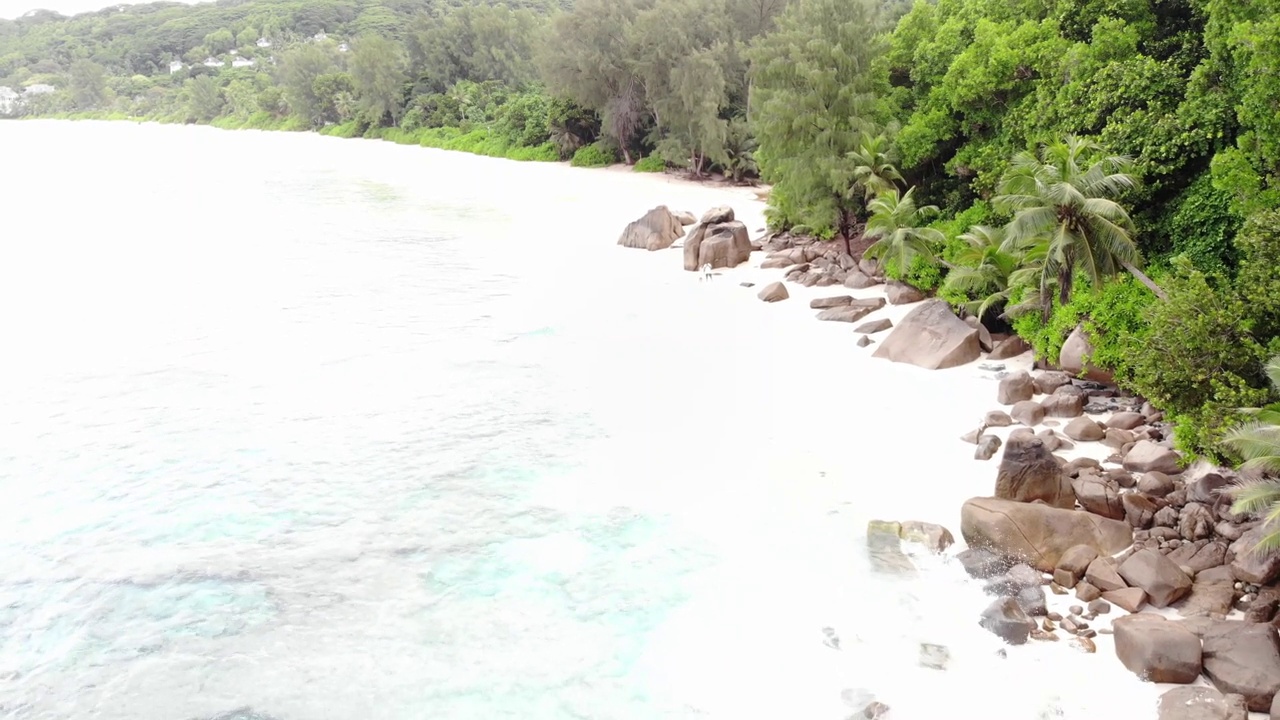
(1070, 147)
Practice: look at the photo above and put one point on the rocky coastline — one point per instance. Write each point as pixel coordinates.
(1094, 525)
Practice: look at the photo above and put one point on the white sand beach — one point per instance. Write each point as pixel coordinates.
(763, 438)
(881, 440)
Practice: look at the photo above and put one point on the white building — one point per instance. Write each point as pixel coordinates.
(242, 62)
(264, 43)
(213, 63)
(343, 47)
(10, 100)
(176, 66)
(320, 36)
(39, 89)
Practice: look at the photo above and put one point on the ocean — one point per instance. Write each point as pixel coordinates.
(302, 428)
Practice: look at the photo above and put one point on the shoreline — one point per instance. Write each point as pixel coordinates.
(760, 189)
(978, 373)
(925, 411)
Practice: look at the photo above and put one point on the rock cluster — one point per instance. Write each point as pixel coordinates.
(1136, 530)
(717, 240)
(816, 263)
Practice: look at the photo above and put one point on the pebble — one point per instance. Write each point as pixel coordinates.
(1084, 644)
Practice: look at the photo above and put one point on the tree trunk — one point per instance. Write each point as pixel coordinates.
(626, 156)
(1142, 278)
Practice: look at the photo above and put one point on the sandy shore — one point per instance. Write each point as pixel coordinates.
(928, 411)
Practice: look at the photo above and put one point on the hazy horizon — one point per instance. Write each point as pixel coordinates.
(10, 9)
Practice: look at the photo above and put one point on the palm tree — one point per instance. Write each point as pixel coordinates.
(985, 267)
(895, 223)
(1068, 207)
(874, 167)
(1258, 442)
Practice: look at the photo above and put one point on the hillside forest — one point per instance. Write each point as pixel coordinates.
(1042, 164)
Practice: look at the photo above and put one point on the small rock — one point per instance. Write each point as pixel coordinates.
(1087, 592)
(1028, 413)
(1125, 420)
(1063, 406)
(934, 656)
(773, 292)
(997, 418)
(1084, 644)
(1015, 388)
(1100, 607)
(864, 341)
(1129, 599)
(830, 639)
(1084, 430)
(988, 446)
(874, 326)
(1007, 621)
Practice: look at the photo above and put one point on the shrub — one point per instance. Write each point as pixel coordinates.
(650, 164)
(1197, 361)
(1201, 225)
(922, 273)
(593, 156)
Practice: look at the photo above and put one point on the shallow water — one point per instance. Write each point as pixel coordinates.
(301, 428)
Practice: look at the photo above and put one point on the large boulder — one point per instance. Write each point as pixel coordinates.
(1157, 650)
(730, 243)
(1251, 564)
(657, 229)
(1028, 472)
(1244, 658)
(1074, 354)
(724, 245)
(1037, 533)
(1146, 456)
(932, 337)
(1099, 496)
(1163, 581)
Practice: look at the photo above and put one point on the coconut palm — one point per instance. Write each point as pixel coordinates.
(896, 224)
(1258, 442)
(984, 267)
(874, 167)
(1063, 198)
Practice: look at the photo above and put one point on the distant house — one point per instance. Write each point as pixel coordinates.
(242, 62)
(264, 43)
(10, 100)
(235, 52)
(39, 89)
(213, 63)
(176, 66)
(343, 47)
(320, 36)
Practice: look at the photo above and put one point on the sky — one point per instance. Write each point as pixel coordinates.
(10, 9)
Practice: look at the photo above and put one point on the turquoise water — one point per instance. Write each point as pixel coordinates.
(276, 421)
(298, 428)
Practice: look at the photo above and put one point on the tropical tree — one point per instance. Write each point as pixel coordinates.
(1063, 198)
(874, 167)
(984, 269)
(896, 223)
(1258, 442)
